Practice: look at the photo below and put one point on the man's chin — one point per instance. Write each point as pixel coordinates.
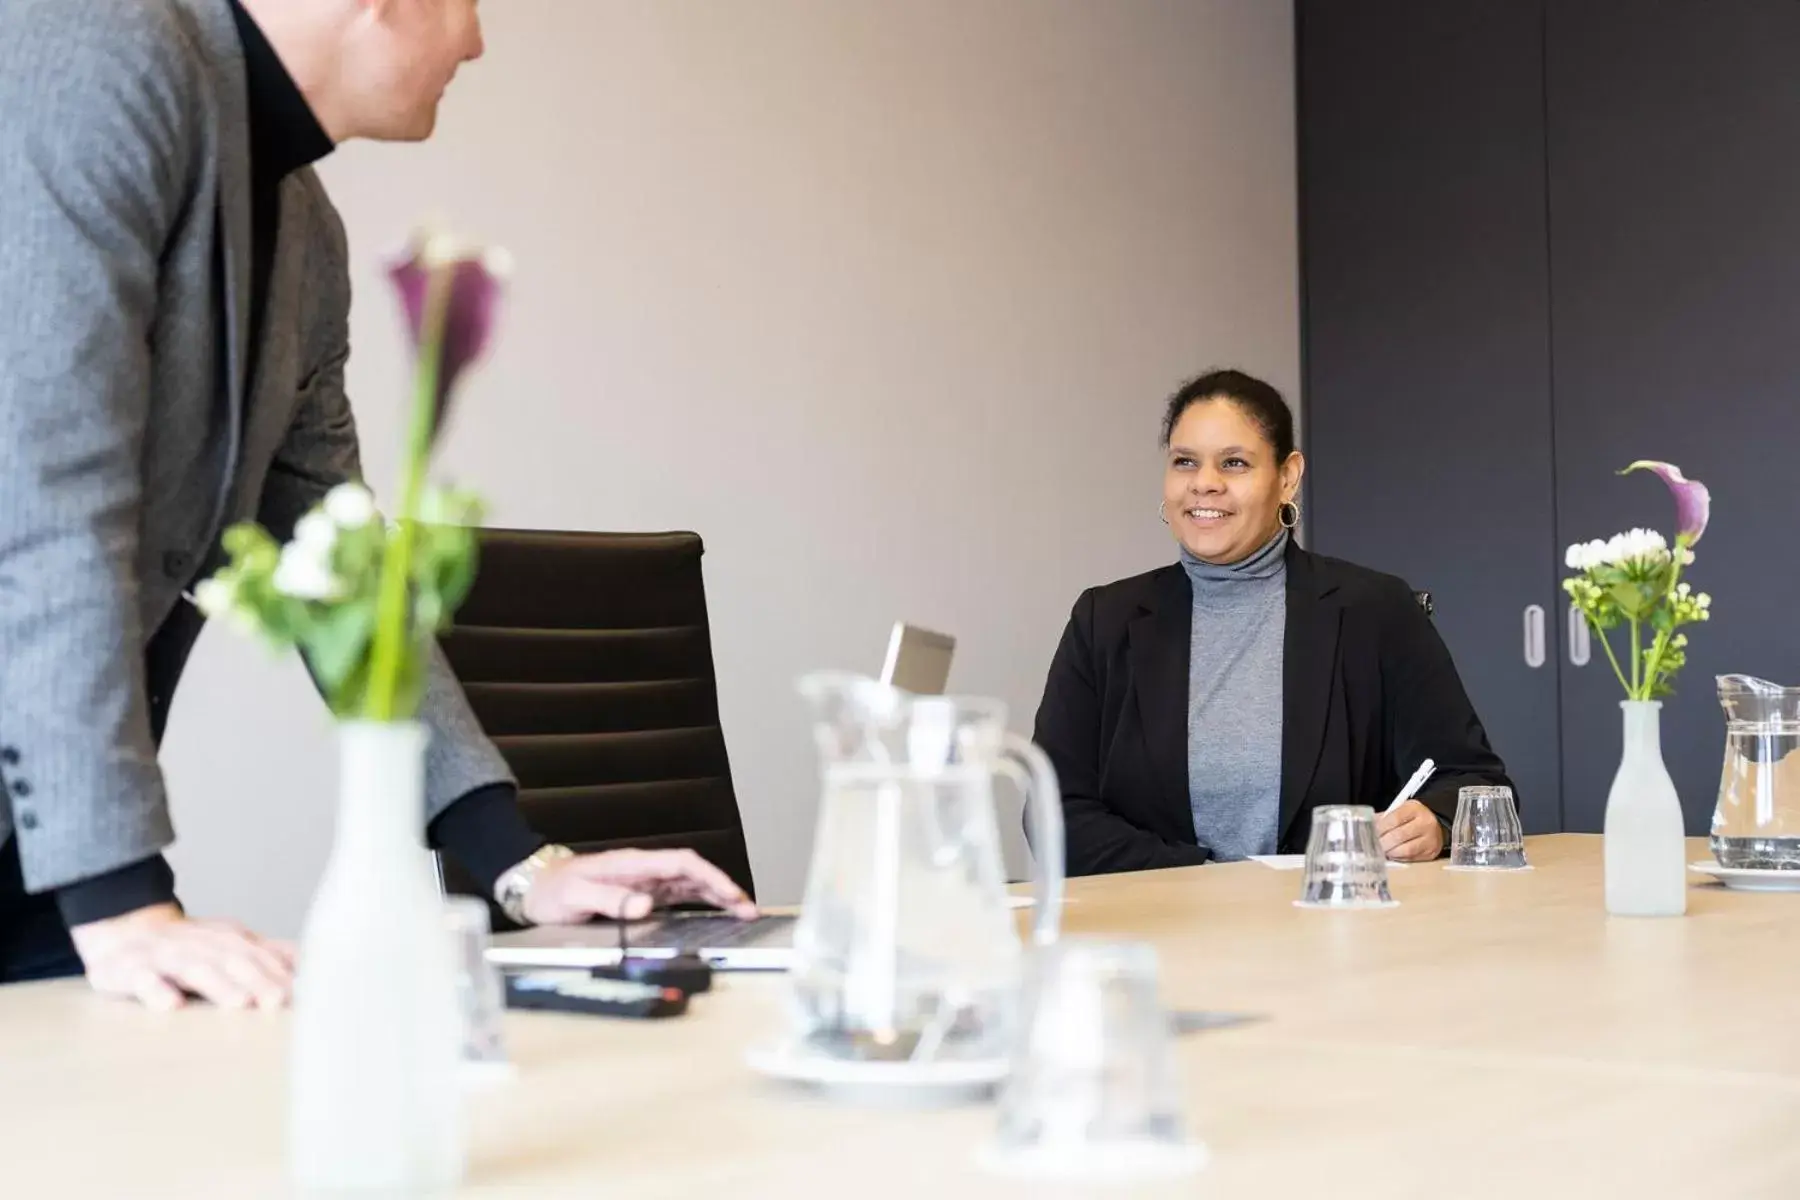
(416, 127)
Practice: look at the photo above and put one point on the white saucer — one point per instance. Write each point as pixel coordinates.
(904, 1082)
(1744, 879)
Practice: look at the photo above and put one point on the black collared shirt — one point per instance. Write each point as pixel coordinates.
(485, 826)
(284, 137)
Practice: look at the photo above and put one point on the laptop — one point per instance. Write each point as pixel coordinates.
(726, 943)
(918, 661)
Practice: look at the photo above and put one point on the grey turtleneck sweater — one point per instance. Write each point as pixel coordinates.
(1234, 700)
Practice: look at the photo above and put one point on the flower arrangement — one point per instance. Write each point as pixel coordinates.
(1634, 580)
(361, 597)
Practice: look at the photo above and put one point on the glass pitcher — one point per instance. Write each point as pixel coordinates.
(906, 949)
(1757, 822)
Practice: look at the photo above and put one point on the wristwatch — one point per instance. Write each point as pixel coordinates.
(515, 882)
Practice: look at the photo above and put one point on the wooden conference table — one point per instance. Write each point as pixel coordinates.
(1494, 1036)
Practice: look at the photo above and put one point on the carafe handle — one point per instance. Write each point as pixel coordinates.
(1030, 768)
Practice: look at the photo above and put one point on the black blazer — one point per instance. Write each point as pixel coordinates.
(1368, 691)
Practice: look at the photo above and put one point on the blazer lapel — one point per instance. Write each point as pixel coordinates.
(234, 239)
(270, 396)
(1309, 663)
(1160, 639)
(231, 144)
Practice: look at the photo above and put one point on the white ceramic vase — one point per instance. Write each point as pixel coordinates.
(1645, 841)
(373, 1103)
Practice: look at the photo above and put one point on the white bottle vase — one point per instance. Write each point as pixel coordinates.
(1646, 847)
(373, 1104)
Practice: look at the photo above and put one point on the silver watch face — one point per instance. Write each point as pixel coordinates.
(512, 887)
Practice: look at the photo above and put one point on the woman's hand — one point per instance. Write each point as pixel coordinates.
(1410, 833)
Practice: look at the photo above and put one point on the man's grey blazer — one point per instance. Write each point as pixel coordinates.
(129, 435)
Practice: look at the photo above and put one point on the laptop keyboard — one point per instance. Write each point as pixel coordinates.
(714, 933)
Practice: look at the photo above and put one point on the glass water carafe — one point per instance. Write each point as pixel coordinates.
(907, 948)
(1757, 822)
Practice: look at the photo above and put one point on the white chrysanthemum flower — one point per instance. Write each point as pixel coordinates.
(317, 532)
(305, 575)
(1584, 556)
(350, 506)
(1635, 545)
(1647, 543)
(214, 597)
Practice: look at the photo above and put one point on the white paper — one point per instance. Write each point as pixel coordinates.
(1295, 862)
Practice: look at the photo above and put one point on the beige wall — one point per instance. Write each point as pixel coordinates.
(879, 297)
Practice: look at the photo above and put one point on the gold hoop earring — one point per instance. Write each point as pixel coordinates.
(1162, 511)
(1288, 513)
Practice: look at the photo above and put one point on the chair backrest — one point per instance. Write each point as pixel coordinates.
(588, 659)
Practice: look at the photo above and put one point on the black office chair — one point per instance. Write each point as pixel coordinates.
(587, 658)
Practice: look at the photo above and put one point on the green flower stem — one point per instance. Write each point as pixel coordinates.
(1637, 660)
(1657, 648)
(1611, 658)
(387, 652)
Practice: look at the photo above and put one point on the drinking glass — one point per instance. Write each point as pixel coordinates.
(1486, 835)
(1093, 1092)
(1345, 867)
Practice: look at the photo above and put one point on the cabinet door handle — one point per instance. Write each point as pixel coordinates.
(1534, 635)
(1579, 649)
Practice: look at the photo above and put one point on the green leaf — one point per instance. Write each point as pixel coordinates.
(1630, 598)
(459, 574)
(351, 697)
(410, 687)
(339, 642)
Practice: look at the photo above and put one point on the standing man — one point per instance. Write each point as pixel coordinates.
(174, 298)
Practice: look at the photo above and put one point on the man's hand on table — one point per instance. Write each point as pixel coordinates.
(160, 957)
(629, 884)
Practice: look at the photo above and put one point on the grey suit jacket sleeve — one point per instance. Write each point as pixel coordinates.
(94, 164)
(319, 452)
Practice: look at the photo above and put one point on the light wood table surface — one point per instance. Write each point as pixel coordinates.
(1494, 1036)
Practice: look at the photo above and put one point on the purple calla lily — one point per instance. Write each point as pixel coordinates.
(1693, 503)
(450, 295)
(473, 283)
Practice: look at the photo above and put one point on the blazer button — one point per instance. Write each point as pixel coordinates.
(177, 563)
(21, 788)
(28, 820)
(9, 755)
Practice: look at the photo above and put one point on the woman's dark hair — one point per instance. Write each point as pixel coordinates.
(1260, 402)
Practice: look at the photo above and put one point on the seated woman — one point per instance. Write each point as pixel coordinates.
(1202, 711)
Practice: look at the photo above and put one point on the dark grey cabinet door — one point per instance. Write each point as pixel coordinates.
(1674, 182)
(1427, 405)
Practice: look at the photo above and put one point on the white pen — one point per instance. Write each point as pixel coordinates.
(1414, 784)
